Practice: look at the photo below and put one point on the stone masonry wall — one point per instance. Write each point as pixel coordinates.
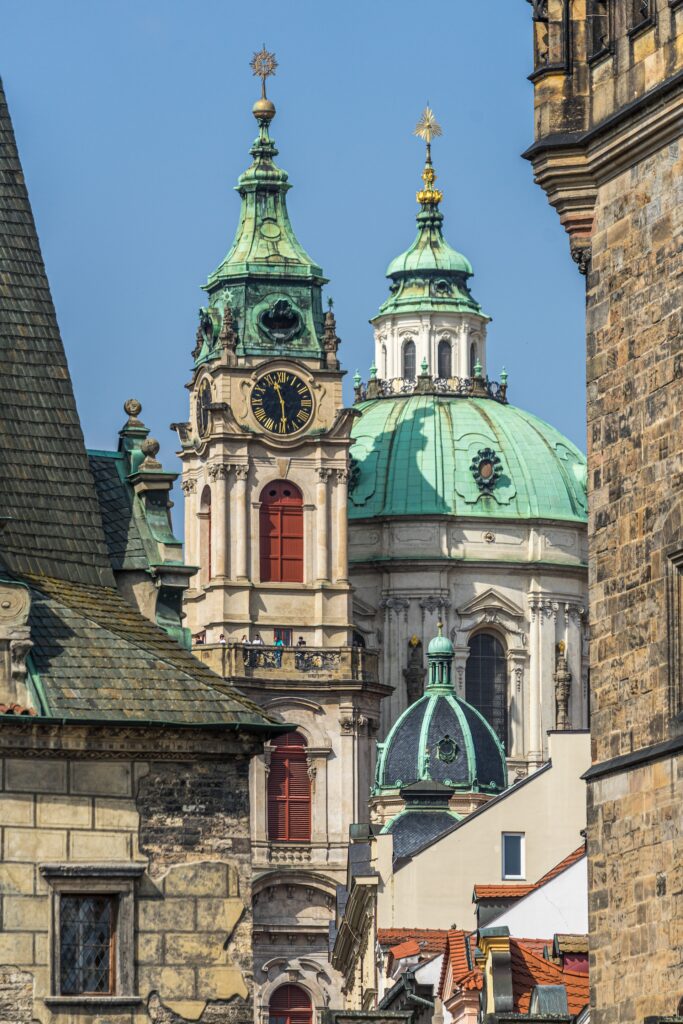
(635, 447)
(635, 459)
(187, 825)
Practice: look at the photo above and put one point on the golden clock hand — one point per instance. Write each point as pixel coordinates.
(282, 404)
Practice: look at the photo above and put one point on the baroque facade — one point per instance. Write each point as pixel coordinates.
(608, 85)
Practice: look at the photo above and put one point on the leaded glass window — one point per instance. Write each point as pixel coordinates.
(86, 944)
(486, 682)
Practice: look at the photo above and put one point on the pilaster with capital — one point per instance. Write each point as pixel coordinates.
(218, 474)
(321, 525)
(241, 538)
(340, 532)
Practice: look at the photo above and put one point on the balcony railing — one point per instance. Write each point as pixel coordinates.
(460, 387)
(262, 661)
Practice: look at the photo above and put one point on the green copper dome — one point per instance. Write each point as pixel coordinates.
(430, 251)
(266, 295)
(441, 739)
(432, 455)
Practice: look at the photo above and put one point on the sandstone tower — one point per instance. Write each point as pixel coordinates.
(265, 477)
(608, 82)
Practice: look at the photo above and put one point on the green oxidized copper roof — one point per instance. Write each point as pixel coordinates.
(417, 456)
(268, 280)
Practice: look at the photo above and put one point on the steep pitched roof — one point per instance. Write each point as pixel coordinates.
(530, 970)
(122, 534)
(97, 658)
(47, 488)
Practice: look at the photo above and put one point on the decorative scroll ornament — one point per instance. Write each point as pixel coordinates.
(486, 468)
(447, 749)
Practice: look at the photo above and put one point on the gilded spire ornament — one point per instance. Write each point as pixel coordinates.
(428, 128)
(263, 64)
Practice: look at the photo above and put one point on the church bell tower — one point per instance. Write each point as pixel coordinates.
(265, 478)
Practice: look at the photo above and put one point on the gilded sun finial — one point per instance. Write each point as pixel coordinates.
(428, 128)
(263, 65)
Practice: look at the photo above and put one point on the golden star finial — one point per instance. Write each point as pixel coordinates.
(263, 64)
(428, 127)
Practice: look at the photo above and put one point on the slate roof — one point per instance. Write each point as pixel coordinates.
(94, 656)
(530, 970)
(121, 531)
(47, 488)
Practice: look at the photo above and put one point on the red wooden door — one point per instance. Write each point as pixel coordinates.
(289, 1004)
(289, 791)
(282, 533)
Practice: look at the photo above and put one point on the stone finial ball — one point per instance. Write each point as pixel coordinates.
(150, 447)
(132, 407)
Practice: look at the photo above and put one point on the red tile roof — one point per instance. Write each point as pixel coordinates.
(15, 709)
(408, 948)
(430, 940)
(474, 979)
(529, 970)
(456, 957)
(516, 890)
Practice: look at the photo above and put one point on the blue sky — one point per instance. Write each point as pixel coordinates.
(133, 121)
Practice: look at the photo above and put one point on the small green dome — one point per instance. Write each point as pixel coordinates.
(435, 455)
(431, 274)
(441, 646)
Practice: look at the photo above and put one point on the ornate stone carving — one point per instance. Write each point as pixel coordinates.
(414, 674)
(582, 255)
(15, 643)
(347, 725)
(241, 472)
(189, 487)
(324, 474)
(563, 678)
(316, 661)
(228, 335)
(219, 470)
(150, 449)
(432, 603)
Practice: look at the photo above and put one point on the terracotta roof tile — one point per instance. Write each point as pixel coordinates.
(517, 890)
(408, 948)
(456, 956)
(15, 709)
(430, 940)
(503, 891)
(530, 970)
(474, 979)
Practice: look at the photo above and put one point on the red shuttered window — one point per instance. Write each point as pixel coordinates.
(289, 791)
(289, 1004)
(282, 533)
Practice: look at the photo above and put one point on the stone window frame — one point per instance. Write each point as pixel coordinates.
(645, 23)
(607, 50)
(117, 880)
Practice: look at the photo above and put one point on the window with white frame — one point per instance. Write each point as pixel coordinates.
(512, 848)
(92, 932)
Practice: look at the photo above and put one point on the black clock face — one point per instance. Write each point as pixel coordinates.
(281, 402)
(203, 403)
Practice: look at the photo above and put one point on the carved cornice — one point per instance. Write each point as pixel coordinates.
(571, 167)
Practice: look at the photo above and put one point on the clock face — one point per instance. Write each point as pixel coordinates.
(281, 402)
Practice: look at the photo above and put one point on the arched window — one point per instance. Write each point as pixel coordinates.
(444, 358)
(486, 682)
(289, 791)
(290, 1004)
(206, 571)
(473, 358)
(282, 533)
(409, 360)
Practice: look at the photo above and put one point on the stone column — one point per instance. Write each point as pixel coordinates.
(341, 561)
(218, 472)
(517, 660)
(189, 487)
(533, 751)
(241, 523)
(322, 540)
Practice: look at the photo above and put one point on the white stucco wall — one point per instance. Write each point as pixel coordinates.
(559, 906)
